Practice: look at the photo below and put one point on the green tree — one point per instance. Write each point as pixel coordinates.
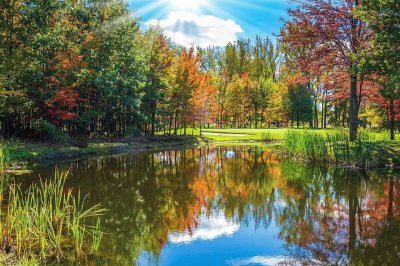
(383, 18)
(159, 60)
(299, 104)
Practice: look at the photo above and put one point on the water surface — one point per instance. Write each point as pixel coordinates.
(237, 206)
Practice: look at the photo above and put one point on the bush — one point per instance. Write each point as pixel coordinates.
(133, 131)
(48, 131)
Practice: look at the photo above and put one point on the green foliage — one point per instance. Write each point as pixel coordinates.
(333, 146)
(299, 104)
(48, 131)
(4, 156)
(47, 218)
(8, 154)
(133, 131)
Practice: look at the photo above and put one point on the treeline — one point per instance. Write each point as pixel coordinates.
(347, 53)
(81, 68)
(85, 67)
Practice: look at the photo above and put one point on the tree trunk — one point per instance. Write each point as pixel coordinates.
(255, 117)
(153, 118)
(353, 114)
(176, 121)
(316, 113)
(326, 113)
(170, 123)
(391, 120)
(185, 121)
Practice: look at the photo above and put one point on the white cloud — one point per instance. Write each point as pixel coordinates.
(264, 261)
(273, 261)
(209, 229)
(187, 28)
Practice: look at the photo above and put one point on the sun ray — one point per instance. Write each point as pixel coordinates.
(239, 11)
(155, 8)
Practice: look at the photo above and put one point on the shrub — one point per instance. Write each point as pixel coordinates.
(133, 131)
(48, 131)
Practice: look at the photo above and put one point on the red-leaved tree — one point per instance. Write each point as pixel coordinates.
(329, 39)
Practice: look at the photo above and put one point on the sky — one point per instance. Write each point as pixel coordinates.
(212, 22)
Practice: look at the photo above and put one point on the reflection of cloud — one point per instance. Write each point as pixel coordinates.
(274, 261)
(230, 154)
(263, 260)
(208, 229)
(187, 29)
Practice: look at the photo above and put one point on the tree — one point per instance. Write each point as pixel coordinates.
(383, 59)
(186, 78)
(333, 37)
(259, 94)
(299, 102)
(204, 101)
(159, 60)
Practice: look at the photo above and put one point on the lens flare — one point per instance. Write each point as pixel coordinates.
(187, 4)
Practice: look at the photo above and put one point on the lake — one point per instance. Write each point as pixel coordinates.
(237, 206)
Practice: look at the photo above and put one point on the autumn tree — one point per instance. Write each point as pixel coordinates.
(186, 78)
(333, 37)
(203, 101)
(383, 58)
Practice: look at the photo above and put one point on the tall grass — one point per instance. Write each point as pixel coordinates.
(4, 155)
(48, 221)
(272, 135)
(333, 146)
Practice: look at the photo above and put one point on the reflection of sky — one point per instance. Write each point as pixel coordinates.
(230, 154)
(262, 260)
(208, 229)
(218, 241)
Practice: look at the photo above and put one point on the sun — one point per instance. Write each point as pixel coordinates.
(186, 4)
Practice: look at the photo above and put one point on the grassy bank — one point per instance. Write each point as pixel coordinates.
(18, 155)
(46, 223)
(332, 146)
(372, 150)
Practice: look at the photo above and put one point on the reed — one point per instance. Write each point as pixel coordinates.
(47, 219)
(333, 147)
(4, 155)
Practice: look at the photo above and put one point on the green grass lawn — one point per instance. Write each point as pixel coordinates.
(241, 134)
(237, 134)
(251, 134)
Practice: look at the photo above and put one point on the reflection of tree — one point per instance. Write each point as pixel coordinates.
(343, 224)
(325, 215)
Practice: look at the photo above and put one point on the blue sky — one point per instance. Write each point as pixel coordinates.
(212, 22)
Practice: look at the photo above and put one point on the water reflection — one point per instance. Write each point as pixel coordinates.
(208, 228)
(238, 206)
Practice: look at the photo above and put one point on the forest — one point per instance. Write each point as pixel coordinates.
(120, 146)
(84, 68)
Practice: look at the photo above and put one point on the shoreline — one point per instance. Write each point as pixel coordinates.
(28, 155)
